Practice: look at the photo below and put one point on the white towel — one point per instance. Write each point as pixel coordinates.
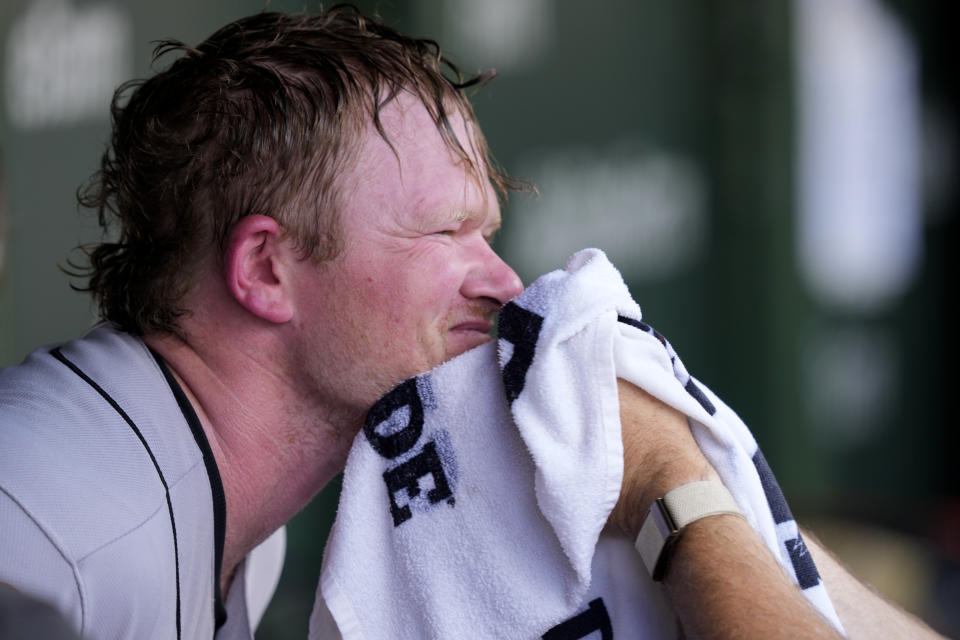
(474, 500)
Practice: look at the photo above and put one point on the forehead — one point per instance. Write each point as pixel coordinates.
(408, 123)
(417, 164)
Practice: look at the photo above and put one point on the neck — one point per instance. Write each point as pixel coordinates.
(275, 448)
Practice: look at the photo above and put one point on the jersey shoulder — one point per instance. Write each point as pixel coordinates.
(92, 447)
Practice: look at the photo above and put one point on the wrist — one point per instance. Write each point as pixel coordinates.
(669, 517)
(639, 492)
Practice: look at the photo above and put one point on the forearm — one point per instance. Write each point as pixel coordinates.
(723, 582)
(863, 612)
(721, 579)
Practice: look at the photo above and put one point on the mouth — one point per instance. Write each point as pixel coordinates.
(473, 326)
(466, 335)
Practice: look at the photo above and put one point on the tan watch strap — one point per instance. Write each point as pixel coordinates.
(671, 513)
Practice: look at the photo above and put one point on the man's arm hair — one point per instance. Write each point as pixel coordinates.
(721, 580)
(863, 612)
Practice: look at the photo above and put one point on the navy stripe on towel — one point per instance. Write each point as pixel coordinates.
(700, 396)
(803, 566)
(778, 504)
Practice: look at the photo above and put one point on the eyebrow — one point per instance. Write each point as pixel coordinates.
(464, 215)
(460, 216)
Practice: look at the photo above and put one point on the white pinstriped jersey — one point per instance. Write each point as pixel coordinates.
(111, 506)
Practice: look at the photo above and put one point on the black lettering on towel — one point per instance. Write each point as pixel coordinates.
(400, 441)
(393, 433)
(406, 477)
(595, 618)
(521, 328)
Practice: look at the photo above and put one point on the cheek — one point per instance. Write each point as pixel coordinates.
(384, 293)
(428, 284)
(390, 304)
(414, 287)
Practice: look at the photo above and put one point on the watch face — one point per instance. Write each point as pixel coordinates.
(660, 512)
(657, 531)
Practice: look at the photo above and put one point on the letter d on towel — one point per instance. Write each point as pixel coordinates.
(395, 441)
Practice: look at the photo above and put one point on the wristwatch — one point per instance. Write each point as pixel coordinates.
(670, 514)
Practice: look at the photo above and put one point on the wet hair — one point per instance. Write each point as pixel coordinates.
(260, 118)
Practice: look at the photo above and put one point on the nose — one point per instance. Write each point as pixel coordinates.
(492, 278)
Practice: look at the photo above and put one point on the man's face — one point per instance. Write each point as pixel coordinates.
(417, 282)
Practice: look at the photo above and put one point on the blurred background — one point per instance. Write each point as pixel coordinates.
(777, 181)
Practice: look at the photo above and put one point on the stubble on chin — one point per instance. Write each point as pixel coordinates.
(429, 352)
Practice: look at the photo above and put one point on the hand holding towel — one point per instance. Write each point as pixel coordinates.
(474, 500)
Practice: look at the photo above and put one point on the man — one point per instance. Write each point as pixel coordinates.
(273, 275)
(304, 208)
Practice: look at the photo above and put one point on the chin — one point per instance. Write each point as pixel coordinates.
(464, 343)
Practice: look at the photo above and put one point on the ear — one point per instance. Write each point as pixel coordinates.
(254, 268)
